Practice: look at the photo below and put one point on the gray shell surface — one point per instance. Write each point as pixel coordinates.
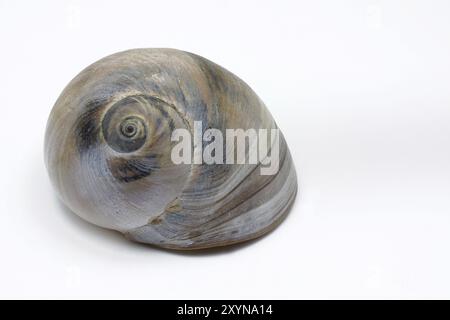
(131, 185)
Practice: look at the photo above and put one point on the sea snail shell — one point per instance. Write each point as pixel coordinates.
(108, 152)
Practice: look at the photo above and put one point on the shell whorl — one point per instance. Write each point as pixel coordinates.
(108, 152)
(124, 126)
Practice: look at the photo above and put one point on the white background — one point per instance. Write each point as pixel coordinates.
(360, 89)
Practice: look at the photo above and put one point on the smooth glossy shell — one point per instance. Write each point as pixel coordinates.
(108, 152)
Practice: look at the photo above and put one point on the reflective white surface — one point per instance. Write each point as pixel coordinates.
(361, 91)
